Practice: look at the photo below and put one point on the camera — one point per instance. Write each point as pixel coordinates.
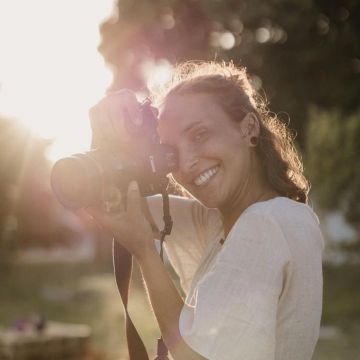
(84, 179)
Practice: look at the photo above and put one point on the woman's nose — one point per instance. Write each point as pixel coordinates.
(188, 162)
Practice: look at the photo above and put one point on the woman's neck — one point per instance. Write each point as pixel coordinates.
(254, 188)
(230, 217)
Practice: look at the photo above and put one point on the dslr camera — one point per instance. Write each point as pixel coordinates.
(85, 179)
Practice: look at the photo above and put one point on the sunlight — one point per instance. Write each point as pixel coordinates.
(156, 73)
(50, 70)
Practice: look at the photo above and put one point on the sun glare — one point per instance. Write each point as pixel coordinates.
(156, 73)
(50, 70)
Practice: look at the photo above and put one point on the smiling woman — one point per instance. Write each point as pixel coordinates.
(47, 69)
(246, 246)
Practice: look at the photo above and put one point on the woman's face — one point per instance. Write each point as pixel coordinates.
(214, 155)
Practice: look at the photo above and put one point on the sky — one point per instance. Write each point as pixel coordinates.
(50, 70)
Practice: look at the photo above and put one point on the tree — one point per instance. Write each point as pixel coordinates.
(24, 173)
(303, 52)
(332, 158)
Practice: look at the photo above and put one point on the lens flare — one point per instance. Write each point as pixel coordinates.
(51, 74)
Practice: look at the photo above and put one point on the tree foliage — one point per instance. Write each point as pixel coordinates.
(301, 51)
(333, 149)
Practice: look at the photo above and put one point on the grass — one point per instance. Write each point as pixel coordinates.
(86, 293)
(341, 295)
(77, 293)
(341, 308)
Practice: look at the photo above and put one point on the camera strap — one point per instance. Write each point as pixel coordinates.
(123, 262)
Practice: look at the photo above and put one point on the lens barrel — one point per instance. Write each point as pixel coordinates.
(81, 180)
(77, 181)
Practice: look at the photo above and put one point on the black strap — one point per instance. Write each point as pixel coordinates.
(123, 262)
(123, 268)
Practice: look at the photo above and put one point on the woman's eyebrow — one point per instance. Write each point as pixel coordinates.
(187, 129)
(190, 127)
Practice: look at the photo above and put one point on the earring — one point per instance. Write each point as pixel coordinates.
(254, 140)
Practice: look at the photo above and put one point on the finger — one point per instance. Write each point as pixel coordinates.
(95, 121)
(100, 121)
(131, 106)
(134, 110)
(148, 216)
(133, 198)
(101, 218)
(83, 214)
(115, 110)
(123, 106)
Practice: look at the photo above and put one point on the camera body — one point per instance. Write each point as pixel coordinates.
(85, 179)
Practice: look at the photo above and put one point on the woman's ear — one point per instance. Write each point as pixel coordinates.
(250, 128)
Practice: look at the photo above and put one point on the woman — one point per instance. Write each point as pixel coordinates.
(247, 248)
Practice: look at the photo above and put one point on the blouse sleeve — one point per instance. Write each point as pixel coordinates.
(232, 313)
(193, 227)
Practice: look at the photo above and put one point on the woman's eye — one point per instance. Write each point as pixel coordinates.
(199, 136)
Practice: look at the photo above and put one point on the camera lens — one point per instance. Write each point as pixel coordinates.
(76, 181)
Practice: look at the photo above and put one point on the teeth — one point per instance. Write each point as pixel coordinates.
(206, 176)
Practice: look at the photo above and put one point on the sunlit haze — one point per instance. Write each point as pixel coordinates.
(50, 70)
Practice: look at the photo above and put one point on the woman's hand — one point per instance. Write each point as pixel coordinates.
(109, 115)
(128, 226)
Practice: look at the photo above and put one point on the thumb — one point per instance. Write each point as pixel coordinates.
(133, 198)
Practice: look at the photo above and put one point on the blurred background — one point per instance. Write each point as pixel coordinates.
(58, 58)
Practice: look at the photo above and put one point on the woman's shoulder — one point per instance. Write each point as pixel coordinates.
(282, 217)
(284, 210)
(277, 228)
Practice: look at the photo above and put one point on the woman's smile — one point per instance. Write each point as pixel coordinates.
(205, 177)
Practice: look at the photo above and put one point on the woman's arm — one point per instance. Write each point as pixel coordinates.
(131, 229)
(166, 303)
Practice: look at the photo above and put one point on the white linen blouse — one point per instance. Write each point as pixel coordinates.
(257, 296)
